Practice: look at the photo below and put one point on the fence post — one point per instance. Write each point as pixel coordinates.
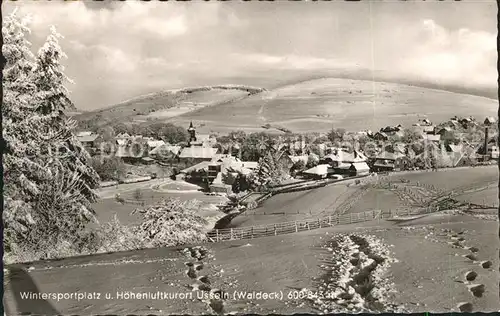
(275, 232)
(217, 234)
(231, 234)
(308, 228)
(319, 223)
(252, 232)
(296, 227)
(329, 221)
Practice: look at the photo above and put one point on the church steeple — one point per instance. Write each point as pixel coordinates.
(192, 132)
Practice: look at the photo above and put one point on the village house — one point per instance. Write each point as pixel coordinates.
(424, 129)
(391, 162)
(446, 133)
(432, 137)
(197, 154)
(399, 148)
(122, 135)
(380, 136)
(129, 154)
(392, 129)
(467, 122)
(492, 151)
(452, 155)
(165, 152)
(490, 120)
(88, 140)
(220, 172)
(347, 163)
(152, 144)
(319, 172)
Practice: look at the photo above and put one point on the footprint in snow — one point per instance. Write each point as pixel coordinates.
(204, 279)
(465, 307)
(486, 264)
(471, 257)
(471, 276)
(477, 289)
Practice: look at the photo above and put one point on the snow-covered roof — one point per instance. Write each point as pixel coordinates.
(166, 148)
(344, 156)
(431, 137)
(203, 138)
(198, 152)
(224, 158)
(250, 164)
(121, 141)
(490, 120)
(155, 143)
(389, 156)
(84, 133)
(87, 138)
(360, 166)
(199, 166)
(455, 148)
(122, 135)
(318, 170)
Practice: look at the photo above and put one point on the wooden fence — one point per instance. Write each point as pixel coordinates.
(217, 235)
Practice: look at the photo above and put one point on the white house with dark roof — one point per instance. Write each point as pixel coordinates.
(88, 139)
(197, 153)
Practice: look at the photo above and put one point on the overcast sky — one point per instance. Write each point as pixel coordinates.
(119, 50)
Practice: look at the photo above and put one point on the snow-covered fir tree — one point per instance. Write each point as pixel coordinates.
(52, 99)
(271, 169)
(49, 184)
(24, 168)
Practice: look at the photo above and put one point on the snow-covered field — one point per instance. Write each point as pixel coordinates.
(442, 262)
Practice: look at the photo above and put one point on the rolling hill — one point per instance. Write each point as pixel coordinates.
(165, 104)
(312, 105)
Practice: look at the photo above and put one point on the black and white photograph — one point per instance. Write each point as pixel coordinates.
(250, 157)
